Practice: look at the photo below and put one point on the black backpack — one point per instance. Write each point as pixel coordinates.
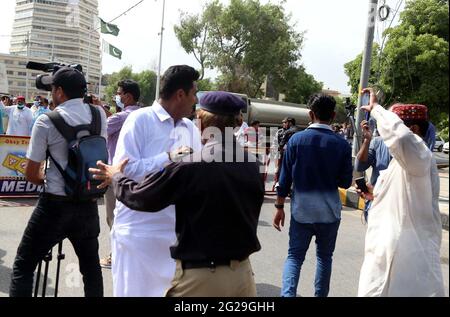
(84, 153)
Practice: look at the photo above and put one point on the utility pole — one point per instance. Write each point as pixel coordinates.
(158, 81)
(365, 71)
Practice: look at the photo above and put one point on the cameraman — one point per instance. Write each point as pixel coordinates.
(57, 217)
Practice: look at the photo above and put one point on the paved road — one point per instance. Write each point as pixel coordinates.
(267, 264)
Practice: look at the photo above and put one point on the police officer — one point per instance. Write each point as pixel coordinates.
(218, 196)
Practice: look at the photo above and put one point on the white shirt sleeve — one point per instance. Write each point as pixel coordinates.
(30, 120)
(104, 122)
(131, 143)
(407, 148)
(37, 151)
(6, 110)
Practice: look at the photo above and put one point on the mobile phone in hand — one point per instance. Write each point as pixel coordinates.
(366, 102)
(362, 184)
(365, 99)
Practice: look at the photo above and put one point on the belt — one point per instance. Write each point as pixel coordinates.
(210, 264)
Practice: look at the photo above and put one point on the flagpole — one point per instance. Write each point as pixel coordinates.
(158, 81)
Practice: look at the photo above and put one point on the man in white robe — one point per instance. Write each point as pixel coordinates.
(403, 241)
(141, 262)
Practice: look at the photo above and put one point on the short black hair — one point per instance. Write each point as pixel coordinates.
(291, 121)
(176, 78)
(255, 122)
(323, 106)
(130, 87)
(5, 97)
(423, 125)
(73, 92)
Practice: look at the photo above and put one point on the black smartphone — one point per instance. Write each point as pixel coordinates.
(362, 184)
(88, 99)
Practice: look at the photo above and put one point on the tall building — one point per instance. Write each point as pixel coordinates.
(17, 76)
(59, 31)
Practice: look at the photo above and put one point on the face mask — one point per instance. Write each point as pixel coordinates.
(20, 106)
(36, 104)
(119, 102)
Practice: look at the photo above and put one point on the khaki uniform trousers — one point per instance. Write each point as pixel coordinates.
(110, 202)
(234, 280)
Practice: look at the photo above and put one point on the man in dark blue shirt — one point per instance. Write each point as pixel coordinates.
(317, 163)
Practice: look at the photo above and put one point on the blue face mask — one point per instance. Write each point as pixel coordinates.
(20, 106)
(37, 103)
(119, 102)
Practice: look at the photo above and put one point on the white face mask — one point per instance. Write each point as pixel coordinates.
(119, 102)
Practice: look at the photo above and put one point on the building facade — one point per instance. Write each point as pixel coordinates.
(20, 81)
(63, 31)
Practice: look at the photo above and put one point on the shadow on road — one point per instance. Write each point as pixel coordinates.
(5, 274)
(5, 278)
(264, 224)
(267, 290)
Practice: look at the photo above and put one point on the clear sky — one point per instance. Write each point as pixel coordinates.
(335, 32)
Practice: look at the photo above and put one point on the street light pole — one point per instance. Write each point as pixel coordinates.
(365, 72)
(158, 81)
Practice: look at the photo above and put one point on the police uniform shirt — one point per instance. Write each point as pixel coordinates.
(217, 204)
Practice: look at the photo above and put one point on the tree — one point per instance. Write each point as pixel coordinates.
(299, 86)
(192, 34)
(341, 111)
(414, 63)
(206, 85)
(147, 82)
(245, 41)
(353, 70)
(145, 79)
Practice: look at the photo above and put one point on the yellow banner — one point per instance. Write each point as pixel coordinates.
(13, 160)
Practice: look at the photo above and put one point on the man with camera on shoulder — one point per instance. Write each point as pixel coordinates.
(60, 214)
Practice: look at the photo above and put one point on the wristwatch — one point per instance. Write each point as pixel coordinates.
(279, 206)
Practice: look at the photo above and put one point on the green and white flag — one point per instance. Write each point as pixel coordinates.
(112, 50)
(107, 28)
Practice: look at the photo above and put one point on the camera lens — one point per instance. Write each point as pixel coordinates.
(40, 85)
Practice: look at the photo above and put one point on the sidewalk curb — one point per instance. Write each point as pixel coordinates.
(351, 199)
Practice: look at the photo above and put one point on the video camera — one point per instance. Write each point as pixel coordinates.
(49, 68)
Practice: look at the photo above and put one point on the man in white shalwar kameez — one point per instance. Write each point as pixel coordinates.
(403, 241)
(141, 261)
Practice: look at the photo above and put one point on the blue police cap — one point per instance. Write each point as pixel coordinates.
(222, 103)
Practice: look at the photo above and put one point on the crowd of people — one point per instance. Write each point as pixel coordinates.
(184, 200)
(21, 116)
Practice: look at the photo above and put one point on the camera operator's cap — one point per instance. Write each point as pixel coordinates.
(67, 78)
(411, 112)
(222, 103)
